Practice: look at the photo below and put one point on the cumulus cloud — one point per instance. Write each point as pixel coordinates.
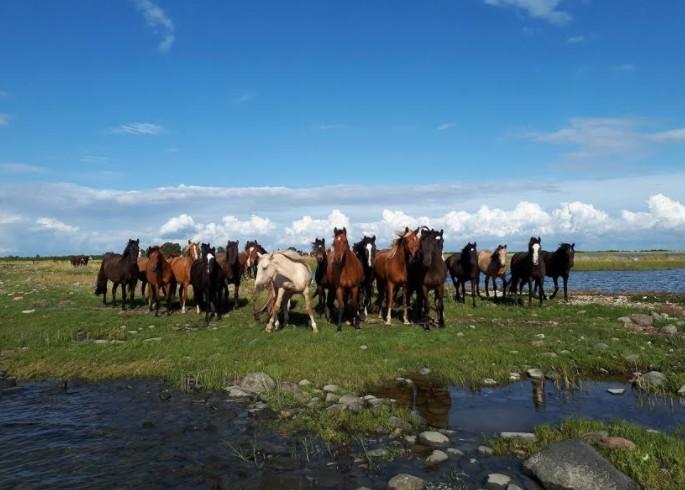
(55, 225)
(303, 231)
(184, 226)
(138, 128)
(542, 9)
(8, 218)
(159, 21)
(670, 135)
(664, 213)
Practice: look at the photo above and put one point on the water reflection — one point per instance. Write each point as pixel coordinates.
(428, 398)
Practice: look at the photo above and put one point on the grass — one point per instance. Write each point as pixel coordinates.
(628, 261)
(658, 461)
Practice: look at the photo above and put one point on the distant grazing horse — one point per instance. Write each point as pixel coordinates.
(493, 265)
(78, 260)
(390, 270)
(559, 264)
(232, 271)
(120, 269)
(284, 274)
(321, 255)
(253, 250)
(345, 275)
(159, 276)
(528, 267)
(428, 273)
(180, 267)
(205, 276)
(463, 266)
(365, 250)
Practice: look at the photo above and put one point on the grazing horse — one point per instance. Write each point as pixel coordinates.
(285, 274)
(529, 267)
(232, 271)
(158, 275)
(120, 269)
(428, 273)
(78, 260)
(320, 278)
(344, 274)
(493, 265)
(253, 250)
(390, 270)
(559, 264)
(180, 268)
(365, 250)
(205, 276)
(463, 266)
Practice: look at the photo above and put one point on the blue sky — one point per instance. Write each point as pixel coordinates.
(546, 102)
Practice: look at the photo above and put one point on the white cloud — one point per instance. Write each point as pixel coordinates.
(580, 217)
(303, 231)
(664, 213)
(541, 9)
(575, 39)
(159, 21)
(444, 126)
(670, 135)
(184, 226)
(138, 128)
(9, 219)
(4, 119)
(55, 225)
(179, 226)
(20, 168)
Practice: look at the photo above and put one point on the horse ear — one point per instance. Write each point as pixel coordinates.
(345, 230)
(573, 245)
(442, 231)
(335, 230)
(539, 239)
(138, 241)
(373, 238)
(406, 229)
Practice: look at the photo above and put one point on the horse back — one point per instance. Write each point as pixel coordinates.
(352, 273)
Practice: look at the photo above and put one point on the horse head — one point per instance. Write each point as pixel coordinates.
(340, 244)
(500, 254)
(264, 271)
(193, 250)
(430, 242)
(409, 240)
(132, 249)
(365, 249)
(319, 249)
(232, 252)
(470, 253)
(534, 245)
(568, 252)
(208, 255)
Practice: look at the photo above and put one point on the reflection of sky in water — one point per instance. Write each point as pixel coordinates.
(665, 281)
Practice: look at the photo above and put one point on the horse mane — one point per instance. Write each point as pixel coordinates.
(397, 243)
(294, 256)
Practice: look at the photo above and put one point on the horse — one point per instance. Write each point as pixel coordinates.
(205, 276)
(253, 249)
(463, 266)
(158, 275)
(559, 264)
(180, 268)
(232, 271)
(365, 250)
(320, 278)
(390, 271)
(428, 273)
(142, 277)
(493, 265)
(120, 269)
(285, 274)
(78, 260)
(529, 267)
(344, 273)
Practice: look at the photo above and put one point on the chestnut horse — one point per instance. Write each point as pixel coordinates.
(120, 269)
(390, 269)
(158, 275)
(344, 274)
(180, 268)
(493, 265)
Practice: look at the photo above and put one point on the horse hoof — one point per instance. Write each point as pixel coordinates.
(388, 324)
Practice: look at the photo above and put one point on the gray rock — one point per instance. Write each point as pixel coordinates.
(337, 407)
(601, 346)
(595, 436)
(632, 357)
(152, 339)
(353, 403)
(404, 481)
(528, 436)
(424, 371)
(513, 486)
(616, 391)
(433, 438)
(411, 440)
(295, 391)
(651, 380)
(642, 320)
(398, 423)
(378, 453)
(257, 383)
(670, 330)
(625, 319)
(304, 382)
(535, 373)
(681, 391)
(489, 381)
(436, 457)
(331, 398)
(485, 451)
(452, 451)
(331, 388)
(314, 402)
(497, 480)
(573, 464)
(236, 392)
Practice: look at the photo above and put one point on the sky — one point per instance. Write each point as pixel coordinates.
(216, 120)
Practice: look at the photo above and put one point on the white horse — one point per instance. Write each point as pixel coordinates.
(288, 274)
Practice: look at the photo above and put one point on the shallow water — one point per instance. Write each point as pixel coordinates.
(670, 281)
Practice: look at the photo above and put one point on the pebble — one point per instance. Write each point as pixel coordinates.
(332, 398)
(153, 339)
(331, 388)
(485, 451)
(436, 457)
(454, 451)
(535, 373)
(411, 440)
(26, 312)
(304, 382)
(616, 391)
(514, 376)
(424, 371)
(489, 381)
(670, 330)
(497, 480)
(433, 438)
(404, 481)
(363, 347)
(528, 436)
(378, 453)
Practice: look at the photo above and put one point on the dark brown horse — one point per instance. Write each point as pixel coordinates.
(463, 266)
(232, 271)
(390, 270)
(253, 249)
(205, 276)
(159, 277)
(344, 274)
(428, 273)
(79, 260)
(559, 264)
(121, 269)
(320, 275)
(529, 267)
(365, 250)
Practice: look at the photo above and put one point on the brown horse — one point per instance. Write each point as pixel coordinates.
(180, 268)
(231, 269)
(253, 249)
(493, 265)
(120, 269)
(158, 275)
(390, 268)
(428, 273)
(344, 274)
(142, 277)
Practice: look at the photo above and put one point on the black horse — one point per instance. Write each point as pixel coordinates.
(231, 271)
(319, 252)
(429, 273)
(529, 267)
(365, 250)
(120, 269)
(559, 264)
(463, 266)
(253, 249)
(205, 276)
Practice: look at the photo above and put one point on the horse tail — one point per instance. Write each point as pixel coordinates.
(101, 284)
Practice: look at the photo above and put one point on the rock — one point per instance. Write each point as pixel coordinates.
(670, 330)
(237, 392)
(540, 335)
(651, 380)
(101, 341)
(616, 391)
(625, 319)
(514, 376)
(331, 388)
(314, 402)
(28, 312)
(642, 319)
(538, 343)
(304, 382)
(424, 371)
(673, 310)
(632, 357)
(485, 451)
(411, 440)
(165, 395)
(153, 339)
(452, 451)
(295, 391)
(595, 436)
(497, 480)
(655, 315)
(527, 436)
(616, 443)
(433, 438)
(535, 373)
(378, 453)
(363, 347)
(489, 381)
(436, 457)
(447, 432)
(404, 481)
(512, 486)
(564, 352)
(257, 383)
(681, 391)
(575, 464)
(353, 403)
(398, 423)
(336, 407)
(332, 398)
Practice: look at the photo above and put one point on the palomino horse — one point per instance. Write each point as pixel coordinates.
(158, 276)
(493, 265)
(529, 267)
(559, 264)
(232, 271)
(253, 250)
(285, 274)
(390, 270)
(344, 274)
(427, 274)
(180, 268)
(205, 276)
(365, 250)
(463, 266)
(120, 269)
(320, 278)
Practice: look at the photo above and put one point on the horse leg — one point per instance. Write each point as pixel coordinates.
(542, 294)
(354, 303)
(340, 305)
(405, 307)
(473, 291)
(104, 295)
(463, 290)
(530, 291)
(236, 295)
(169, 295)
(123, 296)
(456, 287)
(183, 296)
(440, 304)
(556, 287)
(504, 287)
(115, 286)
(487, 281)
(274, 311)
(286, 309)
(157, 299)
(424, 304)
(390, 288)
(308, 308)
(565, 278)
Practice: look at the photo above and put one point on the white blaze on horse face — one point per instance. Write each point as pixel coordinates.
(210, 257)
(369, 249)
(536, 253)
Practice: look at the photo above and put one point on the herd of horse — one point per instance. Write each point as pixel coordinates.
(413, 266)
